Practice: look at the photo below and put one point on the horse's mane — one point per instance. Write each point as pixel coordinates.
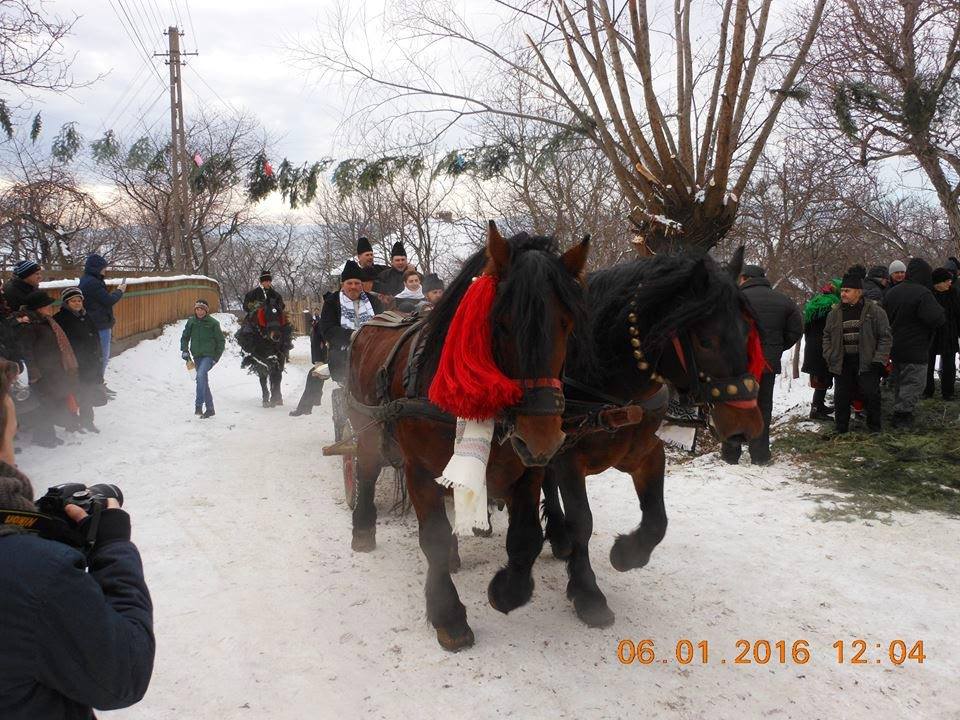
(522, 295)
(671, 292)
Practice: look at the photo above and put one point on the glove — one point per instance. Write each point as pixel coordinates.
(185, 355)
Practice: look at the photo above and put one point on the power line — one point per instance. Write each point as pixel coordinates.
(193, 30)
(140, 48)
(113, 116)
(146, 22)
(211, 89)
(176, 14)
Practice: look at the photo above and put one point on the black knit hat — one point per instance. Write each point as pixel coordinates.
(432, 282)
(352, 271)
(70, 292)
(941, 275)
(852, 280)
(363, 246)
(265, 275)
(37, 299)
(878, 271)
(397, 250)
(26, 268)
(753, 271)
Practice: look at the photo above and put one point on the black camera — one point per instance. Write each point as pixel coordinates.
(89, 499)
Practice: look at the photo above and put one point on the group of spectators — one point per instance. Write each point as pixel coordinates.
(892, 325)
(62, 353)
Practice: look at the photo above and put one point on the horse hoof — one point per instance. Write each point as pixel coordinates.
(508, 590)
(561, 547)
(266, 403)
(364, 540)
(594, 611)
(624, 556)
(454, 640)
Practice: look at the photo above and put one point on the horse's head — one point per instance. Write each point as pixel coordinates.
(699, 341)
(539, 299)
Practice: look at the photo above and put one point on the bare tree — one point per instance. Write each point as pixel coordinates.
(31, 47)
(682, 149)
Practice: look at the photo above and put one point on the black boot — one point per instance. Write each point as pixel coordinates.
(821, 413)
(208, 414)
(198, 410)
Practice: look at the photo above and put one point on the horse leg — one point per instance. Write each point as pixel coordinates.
(264, 393)
(444, 609)
(512, 586)
(556, 531)
(365, 511)
(633, 550)
(589, 602)
(276, 376)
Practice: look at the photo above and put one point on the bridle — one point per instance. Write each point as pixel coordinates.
(541, 396)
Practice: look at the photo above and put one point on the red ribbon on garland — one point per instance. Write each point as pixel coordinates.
(468, 383)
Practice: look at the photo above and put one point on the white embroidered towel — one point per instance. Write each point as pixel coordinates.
(466, 473)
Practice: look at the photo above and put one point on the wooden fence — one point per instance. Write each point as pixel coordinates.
(151, 302)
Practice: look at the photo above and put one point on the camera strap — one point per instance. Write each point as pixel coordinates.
(25, 521)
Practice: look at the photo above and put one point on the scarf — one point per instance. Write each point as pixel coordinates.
(407, 293)
(67, 357)
(466, 474)
(352, 317)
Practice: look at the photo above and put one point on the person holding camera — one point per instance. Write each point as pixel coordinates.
(76, 622)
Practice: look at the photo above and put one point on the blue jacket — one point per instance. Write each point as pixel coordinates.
(97, 300)
(72, 640)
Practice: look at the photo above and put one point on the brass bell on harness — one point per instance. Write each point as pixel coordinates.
(749, 384)
(632, 317)
(635, 342)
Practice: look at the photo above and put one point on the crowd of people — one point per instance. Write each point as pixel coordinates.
(62, 354)
(895, 327)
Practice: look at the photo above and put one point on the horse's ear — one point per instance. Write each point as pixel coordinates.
(700, 277)
(735, 266)
(497, 248)
(575, 259)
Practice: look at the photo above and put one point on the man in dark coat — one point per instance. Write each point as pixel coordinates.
(390, 281)
(77, 627)
(344, 313)
(780, 325)
(85, 341)
(856, 346)
(365, 259)
(318, 348)
(99, 302)
(945, 340)
(914, 316)
(27, 275)
(263, 294)
(875, 285)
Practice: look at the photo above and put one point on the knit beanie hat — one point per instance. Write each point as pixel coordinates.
(941, 275)
(897, 266)
(37, 299)
(26, 268)
(201, 303)
(70, 292)
(852, 280)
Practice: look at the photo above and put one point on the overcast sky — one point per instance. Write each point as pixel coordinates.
(242, 58)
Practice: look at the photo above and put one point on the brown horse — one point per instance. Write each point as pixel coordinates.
(677, 320)
(539, 299)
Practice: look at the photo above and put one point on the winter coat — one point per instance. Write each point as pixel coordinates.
(15, 293)
(945, 340)
(318, 346)
(44, 362)
(778, 319)
(259, 296)
(875, 337)
(72, 640)
(390, 281)
(338, 337)
(914, 314)
(97, 300)
(873, 290)
(85, 342)
(10, 341)
(203, 338)
(813, 362)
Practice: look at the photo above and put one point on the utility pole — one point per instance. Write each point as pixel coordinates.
(179, 186)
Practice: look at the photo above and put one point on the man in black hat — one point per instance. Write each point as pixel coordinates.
(365, 258)
(263, 294)
(780, 325)
(390, 281)
(875, 286)
(432, 288)
(343, 313)
(856, 346)
(27, 275)
(945, 340)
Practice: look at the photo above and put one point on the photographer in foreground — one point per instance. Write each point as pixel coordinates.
(72, 640)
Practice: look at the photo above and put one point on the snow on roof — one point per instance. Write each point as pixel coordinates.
(60, 284)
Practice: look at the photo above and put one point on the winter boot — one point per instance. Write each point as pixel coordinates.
(198, 410)
(208, 414)
(821, 413)
(89, 426)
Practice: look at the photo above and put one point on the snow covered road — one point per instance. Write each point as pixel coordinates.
(263, 611)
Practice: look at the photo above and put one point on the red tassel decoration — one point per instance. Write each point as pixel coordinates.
(756, 362)
(468, 383)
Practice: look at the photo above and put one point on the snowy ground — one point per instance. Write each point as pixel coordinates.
(262, 610)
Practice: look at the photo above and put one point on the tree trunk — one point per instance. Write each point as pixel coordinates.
(948, 201)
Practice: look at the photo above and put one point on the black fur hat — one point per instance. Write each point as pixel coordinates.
(363, 246)
(853, 280)
(397, 250)
(432, 282)
(352, 271)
